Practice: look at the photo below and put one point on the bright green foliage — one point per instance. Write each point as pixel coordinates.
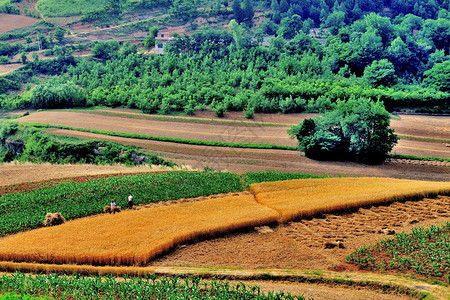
(54, 94)
(59, 34)
(105, 50)
(439, 76)
(150, 287)
(21, 211)
(55, 8)
(380, 72)
(356, 130)
(424, 251)
(12, 296)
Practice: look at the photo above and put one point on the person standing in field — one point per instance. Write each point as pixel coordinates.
(113, 207)
(130, 201)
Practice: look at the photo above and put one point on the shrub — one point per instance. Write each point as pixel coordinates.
(355, 130)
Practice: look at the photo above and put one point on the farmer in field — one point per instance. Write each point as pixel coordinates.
(130, 201)
(113, 207)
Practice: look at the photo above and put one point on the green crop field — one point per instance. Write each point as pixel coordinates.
(424, 251)
(55, 8)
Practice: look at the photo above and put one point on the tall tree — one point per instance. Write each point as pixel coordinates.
(248, 11)
(59, 34)
(237, 11)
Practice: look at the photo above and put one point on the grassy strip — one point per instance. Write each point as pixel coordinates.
(151, 287)
(424, 139)
(27, 210)
(169, 139)
(179, 119)
(424, 251)
(421, 158)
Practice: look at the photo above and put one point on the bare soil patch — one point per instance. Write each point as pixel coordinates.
(9, 22)
(303, 244)
(27, 174)
(6, 69)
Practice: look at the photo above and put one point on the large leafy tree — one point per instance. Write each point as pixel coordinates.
(439, 76)
(355, 130)
(380, 72)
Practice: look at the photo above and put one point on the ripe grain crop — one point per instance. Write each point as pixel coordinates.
(134, 237)
(302, 198)
(21, 211)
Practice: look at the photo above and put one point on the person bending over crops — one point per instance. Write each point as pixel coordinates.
(130, 201)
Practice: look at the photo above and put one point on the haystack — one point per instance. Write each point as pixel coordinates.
(54, 219)
(107, 209)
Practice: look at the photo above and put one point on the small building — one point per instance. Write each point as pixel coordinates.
(160, 42)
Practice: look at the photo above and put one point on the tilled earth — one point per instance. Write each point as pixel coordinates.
(310, 243)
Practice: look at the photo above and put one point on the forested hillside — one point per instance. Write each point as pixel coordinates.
(321, 51)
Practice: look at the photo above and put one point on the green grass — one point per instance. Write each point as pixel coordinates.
(424, 252)
(169, 139)
(421, 158)
(417, 138)
(13, 296)
(56, 8)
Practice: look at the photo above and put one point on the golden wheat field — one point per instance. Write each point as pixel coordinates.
(133, 237)
(307, 197)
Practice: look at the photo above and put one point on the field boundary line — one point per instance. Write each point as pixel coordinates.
(212, 143)
(176, 119)
(169, 139)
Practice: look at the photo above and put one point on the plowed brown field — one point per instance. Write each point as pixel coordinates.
(9, 22)
(244, 160)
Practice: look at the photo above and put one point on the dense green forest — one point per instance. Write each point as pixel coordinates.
(393, 51)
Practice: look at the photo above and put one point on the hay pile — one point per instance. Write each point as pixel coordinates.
(107, 209)
(53, 219)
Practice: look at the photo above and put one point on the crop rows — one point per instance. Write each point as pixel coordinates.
(134, 237)
(20, 211)
(26, 210)
(169, 139)
(424, 251)
(77, 287)
(304, 198)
